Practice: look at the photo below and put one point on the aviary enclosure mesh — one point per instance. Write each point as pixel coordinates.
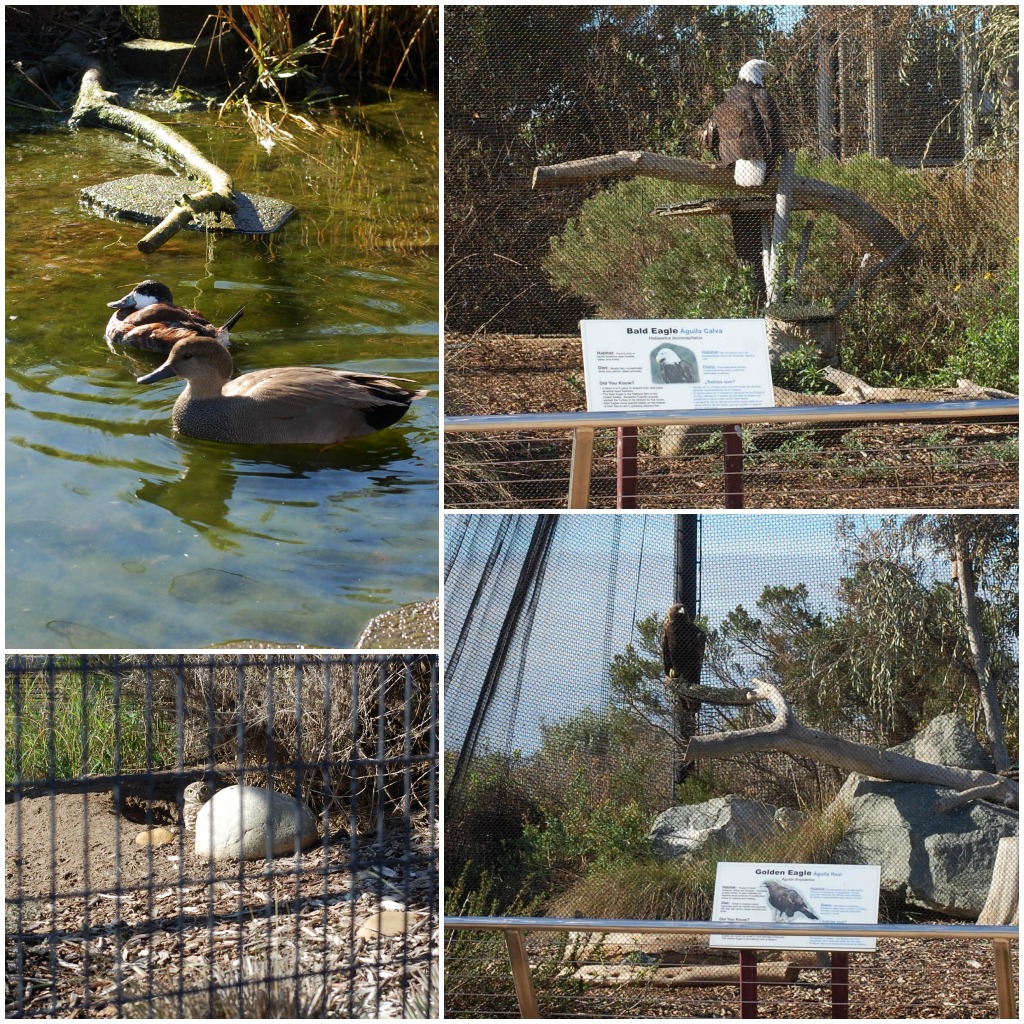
(109, 910)
(915, 109)
(557, 765)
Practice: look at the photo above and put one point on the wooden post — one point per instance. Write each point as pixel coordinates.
(520, 965)
(625, 467)
(777, 264)
(733, 441)
(580, 466)
(748, 983)
(840, 984)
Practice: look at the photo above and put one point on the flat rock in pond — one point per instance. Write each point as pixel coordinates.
(148, 198)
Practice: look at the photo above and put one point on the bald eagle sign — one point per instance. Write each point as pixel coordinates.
(640, 365)
(796, 894)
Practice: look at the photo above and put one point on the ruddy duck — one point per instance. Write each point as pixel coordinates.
(285, 405)
(147, 318)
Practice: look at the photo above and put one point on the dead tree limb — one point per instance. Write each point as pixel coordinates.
(787, 735)
(98, 106)
(808, 193)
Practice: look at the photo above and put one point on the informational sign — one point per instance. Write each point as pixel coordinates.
(639, 365)
(796, 894)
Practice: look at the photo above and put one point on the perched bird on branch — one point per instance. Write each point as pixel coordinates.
(786, 901)
(746, 131)
(682, 653)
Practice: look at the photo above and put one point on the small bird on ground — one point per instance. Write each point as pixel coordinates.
(196, 794)
(283, 405)
(786, 901)
(147, 318)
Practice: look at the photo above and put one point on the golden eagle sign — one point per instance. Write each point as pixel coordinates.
(796, 894)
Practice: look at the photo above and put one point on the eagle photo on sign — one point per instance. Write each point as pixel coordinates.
(786, 902)
(673, 364)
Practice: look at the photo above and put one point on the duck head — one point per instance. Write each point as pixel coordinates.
(144, 294)
(206, 365)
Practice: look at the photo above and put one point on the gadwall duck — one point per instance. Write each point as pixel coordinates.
(148, 318)
(285, 405)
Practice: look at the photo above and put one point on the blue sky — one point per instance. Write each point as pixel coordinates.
(596, 589)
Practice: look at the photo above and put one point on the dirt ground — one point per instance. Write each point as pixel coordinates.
(953, 465)
(904, 979)
(95, 905)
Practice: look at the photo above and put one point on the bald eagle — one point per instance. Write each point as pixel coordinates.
(746, 131)
(682, 653)
(673, 369)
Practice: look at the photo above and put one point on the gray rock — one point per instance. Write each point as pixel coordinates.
(682, 831)
(940, 862)
(948, 740)
(236, 823)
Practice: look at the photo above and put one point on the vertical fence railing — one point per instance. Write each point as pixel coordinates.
(116, 766)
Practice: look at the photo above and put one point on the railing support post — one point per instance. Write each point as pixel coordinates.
(521, 975)
(1004, 979)
(625, 468)
(733, 441)
(580, 467)
(748, 983)
(840, 984)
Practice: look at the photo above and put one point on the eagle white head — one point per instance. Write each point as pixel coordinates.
(754, 71)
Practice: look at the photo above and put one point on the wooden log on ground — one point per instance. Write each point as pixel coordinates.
(671, 977)
(96, 105)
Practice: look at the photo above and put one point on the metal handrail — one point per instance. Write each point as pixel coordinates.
(1002, 408)
(514, 927)
(584, 424)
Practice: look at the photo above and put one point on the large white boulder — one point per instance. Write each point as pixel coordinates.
(684, 830)
(243, 822)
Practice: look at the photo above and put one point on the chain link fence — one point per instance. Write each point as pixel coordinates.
(912, 110)
(221, 836)
(584, 779)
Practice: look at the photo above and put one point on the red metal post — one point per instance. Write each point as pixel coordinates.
(733, 466)
(748, 982)
(841, 985)
(625, 467)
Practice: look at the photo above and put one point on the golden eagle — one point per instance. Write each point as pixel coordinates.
(787, 902)
(745, 130)
(682, 652)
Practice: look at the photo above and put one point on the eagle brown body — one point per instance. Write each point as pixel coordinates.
(745, 131)
(787, 902)
(682, 653)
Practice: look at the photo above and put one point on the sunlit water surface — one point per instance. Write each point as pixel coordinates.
(121, 534)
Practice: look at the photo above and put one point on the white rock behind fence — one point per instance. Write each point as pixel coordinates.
(238, 821)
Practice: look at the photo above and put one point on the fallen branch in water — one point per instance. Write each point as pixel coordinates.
(96, 105)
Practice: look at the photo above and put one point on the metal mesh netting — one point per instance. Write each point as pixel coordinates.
(566, 792)
(221, 836)
(911, 110)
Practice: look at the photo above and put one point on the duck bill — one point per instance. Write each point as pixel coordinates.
(160, 373)
(128, 302)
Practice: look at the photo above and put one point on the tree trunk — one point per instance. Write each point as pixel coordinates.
(964, 569)
(789, 736)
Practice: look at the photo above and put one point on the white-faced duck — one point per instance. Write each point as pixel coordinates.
(286, 405)
(148, 318)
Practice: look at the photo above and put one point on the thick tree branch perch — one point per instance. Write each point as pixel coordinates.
(808, 193)
(98, 106)
(787, 735)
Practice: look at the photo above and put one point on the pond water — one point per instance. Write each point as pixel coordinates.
(121, 534)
